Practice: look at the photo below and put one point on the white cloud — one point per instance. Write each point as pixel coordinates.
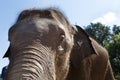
(109, 18)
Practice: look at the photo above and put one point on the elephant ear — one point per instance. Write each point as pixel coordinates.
(82, 46)
(7, 54)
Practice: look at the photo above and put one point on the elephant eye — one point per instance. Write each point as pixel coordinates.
(61, 38)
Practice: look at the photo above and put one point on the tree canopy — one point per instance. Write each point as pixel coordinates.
(113, 47)
(98, 31)
(116, 29)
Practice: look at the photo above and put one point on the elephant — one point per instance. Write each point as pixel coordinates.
(45, 46)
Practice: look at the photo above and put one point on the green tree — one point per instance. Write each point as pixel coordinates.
(113, 47)
(98, 31)
(116, 29)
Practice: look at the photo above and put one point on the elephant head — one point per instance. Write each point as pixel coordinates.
(40, 46)
(44, 46)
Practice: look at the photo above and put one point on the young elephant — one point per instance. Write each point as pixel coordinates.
(44, 46)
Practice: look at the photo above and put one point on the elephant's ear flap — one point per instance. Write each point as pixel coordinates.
(83, 46)
(7, 54)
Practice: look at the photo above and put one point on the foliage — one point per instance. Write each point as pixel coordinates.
(117, 77)
(98, 31)
(113, 47)
(116, 29)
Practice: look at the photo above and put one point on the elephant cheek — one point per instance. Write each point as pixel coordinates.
(62, 66)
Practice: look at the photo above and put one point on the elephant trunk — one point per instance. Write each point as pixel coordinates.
(32, 64)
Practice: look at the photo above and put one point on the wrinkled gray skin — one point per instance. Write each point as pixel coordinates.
(44, 46)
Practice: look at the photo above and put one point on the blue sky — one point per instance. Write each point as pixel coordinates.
(81, 12)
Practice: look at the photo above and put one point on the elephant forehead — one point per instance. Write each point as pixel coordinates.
(39, 25)
(41, 28)
(49, 26)
(45, 25)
